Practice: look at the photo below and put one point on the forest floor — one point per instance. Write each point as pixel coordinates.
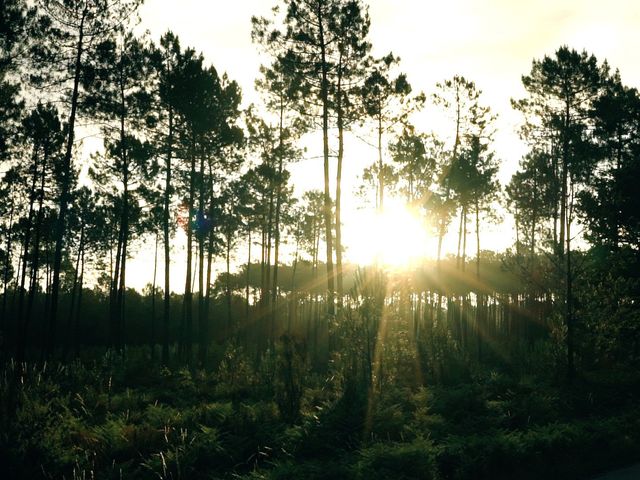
(134, 420)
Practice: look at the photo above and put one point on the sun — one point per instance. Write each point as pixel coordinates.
(395, 237)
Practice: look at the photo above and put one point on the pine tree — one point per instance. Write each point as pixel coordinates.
(561, 91)
(69, 31)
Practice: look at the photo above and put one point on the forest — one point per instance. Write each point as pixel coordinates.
(266, 344)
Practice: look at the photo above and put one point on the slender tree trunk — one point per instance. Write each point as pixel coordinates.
(441, 234)
(464, 239)
(616, 192)
(121, 257)
(65, 189)
(167, 246)
(204, 335)
(152, 339)
(35, 261)
(7, 266)
(248, 277)
(454, 159)
(113, 292)
(263, 257)
(266, 300)
(122, 281)
(460, 237)
(228, 283)
(200, 225)
(563, 212)
(380, 164)
(556, 202)
(328, 216)
(22, 321)
(76, 336)
(124, 226)
(480, 297)
(339, 272)
(76, 275)
(571, 370)
(204, 327)
(534, 217)
(294, 294)
(276, 259)
(269, 237)
(47, 295)
(565, 176)
(188, 295)
(16, 284)
(477, 239)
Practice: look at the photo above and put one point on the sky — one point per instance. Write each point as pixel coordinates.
(491, 42)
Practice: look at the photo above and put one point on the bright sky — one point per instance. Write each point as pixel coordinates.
(491, 42)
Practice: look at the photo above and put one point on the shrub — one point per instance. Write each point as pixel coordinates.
(397, 461)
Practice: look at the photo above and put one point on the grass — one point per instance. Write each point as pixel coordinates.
(113, 419)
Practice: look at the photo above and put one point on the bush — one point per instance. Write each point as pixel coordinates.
(397, 461)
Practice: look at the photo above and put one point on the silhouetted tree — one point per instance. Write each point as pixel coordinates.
(561, 92)
(42, 131)
(122, 102)
(351, 27)
(388, 104)
(306, 43)
(70, 30)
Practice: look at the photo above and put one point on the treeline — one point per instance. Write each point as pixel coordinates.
(184, 162)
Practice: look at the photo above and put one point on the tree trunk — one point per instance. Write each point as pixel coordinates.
(266, 300)
(228, 283)
(200, 225)
(123, 271)
(204, 334)
(464, 241)
(454, 159)
(113, 293)
(7, 265)
(324, 94)
(22, 321)
(35, 261)
(124, 225)
(294, 296)
(76, 335)
(380, 164)
(204, 327)
(152, 338)
(477, 239)
(569, 300)
(72, 304)
(459, 237)
(276, 259)
(187, 307)
(339, 187)
(64, 190)
(167, 247)
(248, 277)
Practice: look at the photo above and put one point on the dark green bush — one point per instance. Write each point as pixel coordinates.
(397, 461)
